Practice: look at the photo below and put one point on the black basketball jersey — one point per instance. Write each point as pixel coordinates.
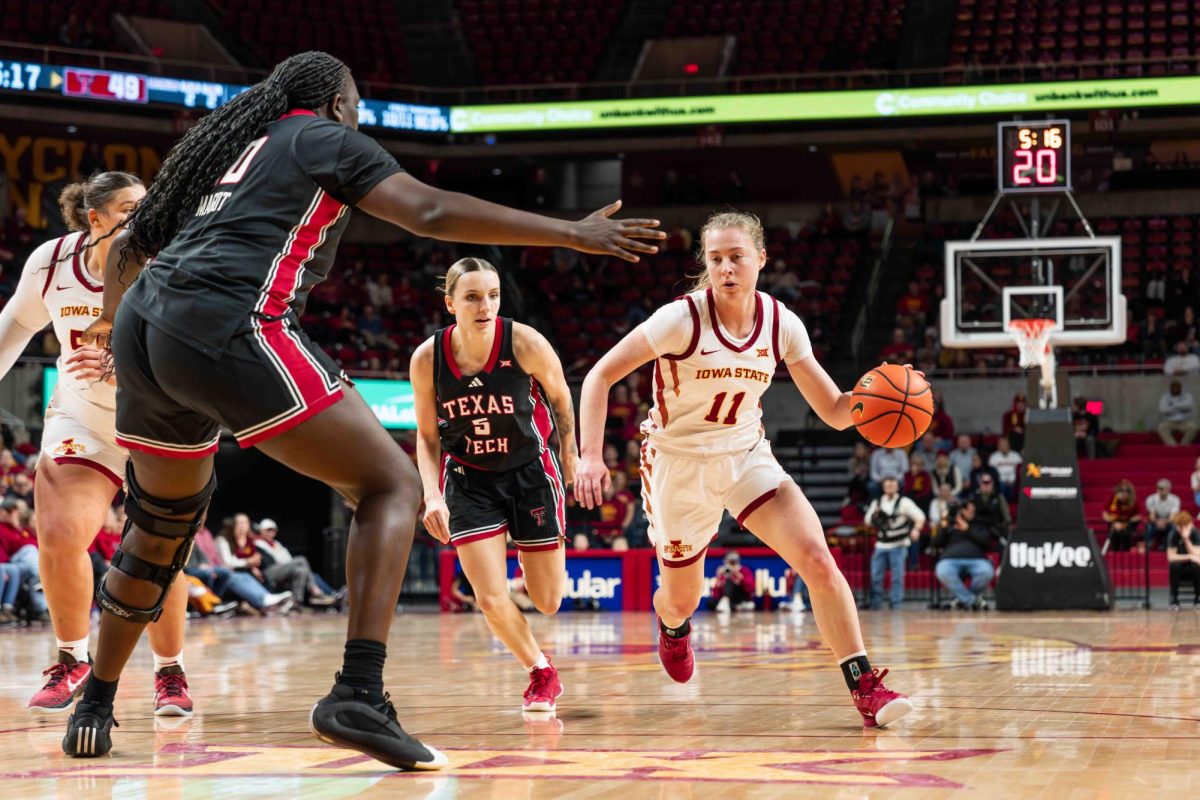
(495, 420)
(266, 233)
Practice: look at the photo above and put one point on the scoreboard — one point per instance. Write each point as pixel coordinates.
(135, 88)
(1034, 156)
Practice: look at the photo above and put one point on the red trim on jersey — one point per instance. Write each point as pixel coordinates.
(474, 537)
(692, 559)
(754, 505)
(560, 498)
(80, 272)
(448, 351)
(308, 235)
(538, 547)
(53, 263)
(691, 348)
(775, 330)
(675, 377)
(164, 451)
(83, 462)
(297, 112)
(542, 422)
(308, 411)
(659, 395)
(497, 341)
(716, 324)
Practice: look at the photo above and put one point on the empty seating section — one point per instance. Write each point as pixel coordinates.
(538, 41)
(1116, 37)
(40, 21)
(363, 33)
(781, 36)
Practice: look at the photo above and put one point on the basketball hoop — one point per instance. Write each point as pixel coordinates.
(1033, 338)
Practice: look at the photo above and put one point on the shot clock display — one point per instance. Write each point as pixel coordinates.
(1034, 156)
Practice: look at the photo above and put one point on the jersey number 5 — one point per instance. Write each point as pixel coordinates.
(483, 426)
(238, 170)
(714, 413)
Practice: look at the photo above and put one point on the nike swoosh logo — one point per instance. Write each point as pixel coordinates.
(709, 352)
(62, 288)
(858, 408)
(73, 685)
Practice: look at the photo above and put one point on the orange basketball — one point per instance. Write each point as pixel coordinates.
(892, 406)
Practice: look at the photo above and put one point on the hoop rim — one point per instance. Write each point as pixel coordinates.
(1033, 326)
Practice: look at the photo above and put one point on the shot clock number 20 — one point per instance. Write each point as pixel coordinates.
(1034, 156)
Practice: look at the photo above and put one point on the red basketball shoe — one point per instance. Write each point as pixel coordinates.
(675, 654)
(65, 683)
(171, 698)
(544, 689)
(879, 705)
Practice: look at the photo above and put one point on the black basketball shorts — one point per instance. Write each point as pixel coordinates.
(173, 400)
(528, 503)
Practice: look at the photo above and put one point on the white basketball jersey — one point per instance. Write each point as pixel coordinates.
(71, 300)
(707, 397)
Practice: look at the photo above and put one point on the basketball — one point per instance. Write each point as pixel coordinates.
(892, 406)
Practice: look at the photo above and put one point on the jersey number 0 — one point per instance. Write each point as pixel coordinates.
(237, 170)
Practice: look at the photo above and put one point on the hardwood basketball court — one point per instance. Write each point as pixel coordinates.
(1054, 705)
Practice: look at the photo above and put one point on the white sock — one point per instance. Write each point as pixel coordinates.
(541, 663)
(168, 661)
(862, 653)
(77, 650)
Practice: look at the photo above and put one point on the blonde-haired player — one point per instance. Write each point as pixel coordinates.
(82, 467)
(715, 352)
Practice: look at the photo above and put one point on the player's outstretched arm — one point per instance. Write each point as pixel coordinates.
(537, 358)
(426, 211)
(630, 353)
(831, 403)
(24, 314)
(429, 444)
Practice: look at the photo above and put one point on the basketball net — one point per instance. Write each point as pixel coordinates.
(1033, 338)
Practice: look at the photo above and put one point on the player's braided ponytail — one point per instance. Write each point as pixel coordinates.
(307, 80)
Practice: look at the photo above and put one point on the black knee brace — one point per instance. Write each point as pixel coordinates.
(156, 517)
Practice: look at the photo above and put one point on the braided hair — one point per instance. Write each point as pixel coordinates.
(306, 80)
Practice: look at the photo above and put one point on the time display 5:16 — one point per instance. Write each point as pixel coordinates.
(1034, 164)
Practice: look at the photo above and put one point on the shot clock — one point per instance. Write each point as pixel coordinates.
(1034, 156)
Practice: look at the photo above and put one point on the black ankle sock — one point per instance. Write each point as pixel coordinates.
(362, 666)
(677, 633)
(100, 692)
(853, 669)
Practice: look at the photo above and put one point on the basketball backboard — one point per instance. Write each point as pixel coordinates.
(1074, 281)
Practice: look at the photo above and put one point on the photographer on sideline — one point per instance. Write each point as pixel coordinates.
(733, 587)
(896, 521)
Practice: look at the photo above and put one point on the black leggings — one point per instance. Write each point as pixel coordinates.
(1181, 571)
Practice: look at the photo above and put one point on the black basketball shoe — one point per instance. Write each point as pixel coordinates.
(345, 718)
(89, 731)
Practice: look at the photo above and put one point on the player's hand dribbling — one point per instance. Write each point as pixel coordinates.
(907, 366)
(437, 519)
(599, 234)
(591, 479)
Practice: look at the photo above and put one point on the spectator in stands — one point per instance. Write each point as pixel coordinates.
(21, 489)
(1087, 427)
(10, 587)
(939, 509)
(1006, 462)
(1196, 484)
(733, 586)
(19, 544)
(887, 462)
(1161, 509)
(897, 521)
(797, 592)
(74, 32)
(462, 594)
(283, 570)
(926, 448)
(205, 563)
(991, 509)
(236, 546)
(898, 351)
(963, 456)
(616, 514)
(861, 454)
(858, 491)
(104, 545)
(856, 217)
(1183, 362)
(9, 468)
(1013, 424)
(1122, 517)
(623, 418)
(379, 293)
(918, 483)
(942, 425)
(980, 470)
(913, 306)
(1177, 410)
(964, 544)
(1183, 559)
(404, 295)
(946, 474)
